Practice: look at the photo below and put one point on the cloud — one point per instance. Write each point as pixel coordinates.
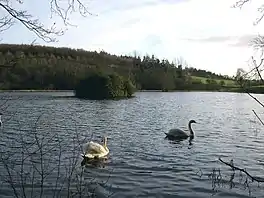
(208, 34)
(152, 40)
(211, 39)
(235, 41)
(130, 22)
(244, 41)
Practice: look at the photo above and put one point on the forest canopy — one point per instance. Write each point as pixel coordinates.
(33, 67)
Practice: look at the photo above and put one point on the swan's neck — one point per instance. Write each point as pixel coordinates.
(104, 143)
(105, 147)
(191, 131)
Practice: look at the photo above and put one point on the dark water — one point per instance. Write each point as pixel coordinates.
(142, 163)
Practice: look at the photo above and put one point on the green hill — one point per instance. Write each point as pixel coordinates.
(227, 82)
(42, 67)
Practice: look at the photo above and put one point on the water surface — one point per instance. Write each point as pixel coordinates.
(141, 163)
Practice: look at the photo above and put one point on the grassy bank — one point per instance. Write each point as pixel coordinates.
(36, 90)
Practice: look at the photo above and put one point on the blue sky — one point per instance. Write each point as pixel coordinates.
(208, 34)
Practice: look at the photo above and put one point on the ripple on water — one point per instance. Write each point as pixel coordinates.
(142, 163)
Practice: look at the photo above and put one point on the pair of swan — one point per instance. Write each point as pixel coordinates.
(93, 150)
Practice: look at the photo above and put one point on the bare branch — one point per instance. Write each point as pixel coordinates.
(239, 4)
(242, 77)
(27, 171)
(255, 98)
(257, 67)
(257, 42)
(32, 24)
(5, 23)
(258, 117)
(10, 177)
(243, 74)
(63, 13)
(257, 179)
(61, 8)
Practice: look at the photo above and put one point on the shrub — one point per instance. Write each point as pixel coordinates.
(99, 86)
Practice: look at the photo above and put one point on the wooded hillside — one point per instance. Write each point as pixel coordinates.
(41, 67)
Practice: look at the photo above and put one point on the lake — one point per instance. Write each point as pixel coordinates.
(46, 131)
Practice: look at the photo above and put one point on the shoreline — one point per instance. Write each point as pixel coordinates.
(35, 90)
(43, 90)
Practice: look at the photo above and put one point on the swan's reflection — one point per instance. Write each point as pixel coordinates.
(179, 141)
(190, 141)
(97, 162)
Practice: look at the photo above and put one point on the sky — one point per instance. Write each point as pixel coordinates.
(207, 34)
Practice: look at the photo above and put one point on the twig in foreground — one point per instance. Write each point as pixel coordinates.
(257, 179)
(258, 117)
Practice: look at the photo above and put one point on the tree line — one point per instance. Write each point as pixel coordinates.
(42, 67)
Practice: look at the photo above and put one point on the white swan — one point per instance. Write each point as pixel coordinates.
(93, 150)
(180, 134)
(1, 123)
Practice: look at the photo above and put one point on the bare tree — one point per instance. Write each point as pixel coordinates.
(260, 9)
(62, 8)
(258, 44)
(243, 78)
(180, 61)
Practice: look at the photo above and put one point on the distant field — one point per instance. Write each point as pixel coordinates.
(227, 82)
(259, 86)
